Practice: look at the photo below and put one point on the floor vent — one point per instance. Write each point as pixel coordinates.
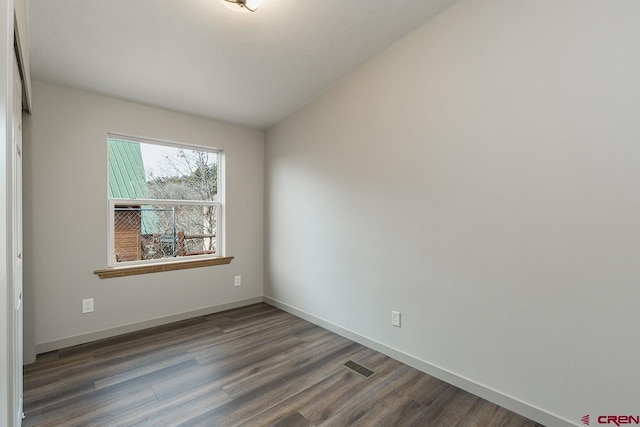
(359, 369)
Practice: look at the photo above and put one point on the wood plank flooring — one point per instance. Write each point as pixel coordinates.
(251, 366)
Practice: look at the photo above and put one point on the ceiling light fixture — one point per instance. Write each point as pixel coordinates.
(250, 5)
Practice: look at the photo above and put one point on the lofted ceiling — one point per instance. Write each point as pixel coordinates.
(200, 57)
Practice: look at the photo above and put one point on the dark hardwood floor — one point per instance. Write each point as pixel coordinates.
(252, 366)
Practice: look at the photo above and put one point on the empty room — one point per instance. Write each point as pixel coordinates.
(320, 213)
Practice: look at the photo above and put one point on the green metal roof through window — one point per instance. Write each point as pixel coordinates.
(126, 171)
(127, 179)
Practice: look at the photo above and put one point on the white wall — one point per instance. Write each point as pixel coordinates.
(480, 176)
(69, 215)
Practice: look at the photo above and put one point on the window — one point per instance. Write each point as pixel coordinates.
(164, 202)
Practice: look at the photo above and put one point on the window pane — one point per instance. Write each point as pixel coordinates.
(139, 170)
(163, 231)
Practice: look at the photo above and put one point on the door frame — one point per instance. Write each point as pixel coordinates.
(9, 366)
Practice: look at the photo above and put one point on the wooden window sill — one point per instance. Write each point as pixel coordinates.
(132, 270)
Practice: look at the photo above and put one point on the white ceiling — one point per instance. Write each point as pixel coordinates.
(199, 57)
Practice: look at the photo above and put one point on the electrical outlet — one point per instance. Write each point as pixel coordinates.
(238, 281)
(87, 305)
(395, 318)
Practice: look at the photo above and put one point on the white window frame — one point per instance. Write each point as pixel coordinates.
(219, 212)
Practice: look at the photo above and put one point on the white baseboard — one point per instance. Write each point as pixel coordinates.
(107, 333)
(513, 404)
